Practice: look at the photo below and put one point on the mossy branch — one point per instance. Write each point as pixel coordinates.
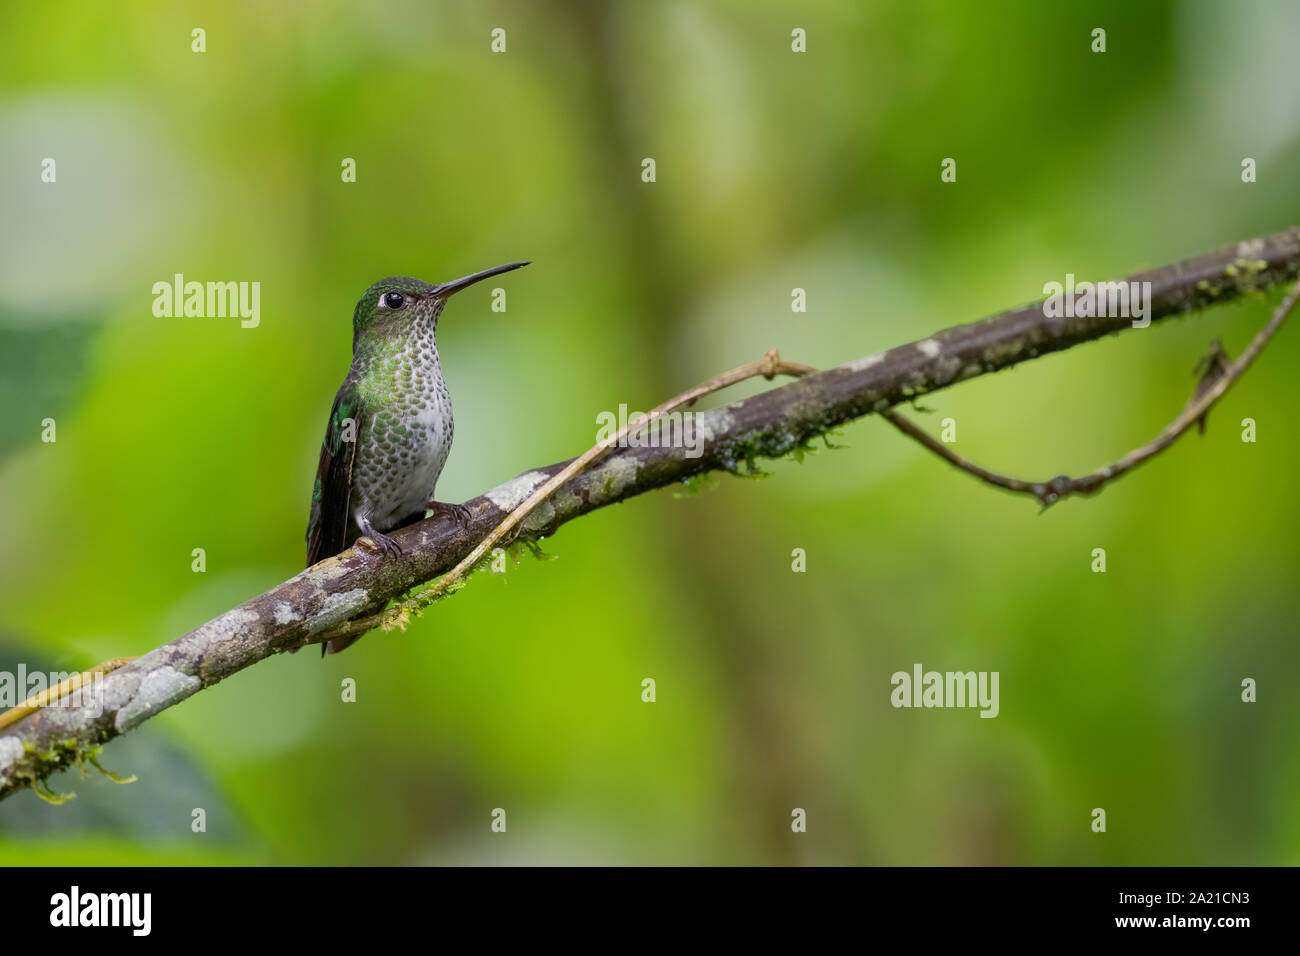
(357, 584)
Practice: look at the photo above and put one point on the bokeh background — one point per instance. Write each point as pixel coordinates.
(775, 170)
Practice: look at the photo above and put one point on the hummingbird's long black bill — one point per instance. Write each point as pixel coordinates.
(455, 285)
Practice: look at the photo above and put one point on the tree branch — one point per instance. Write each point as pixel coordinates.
(771, 424)
(1219, 376)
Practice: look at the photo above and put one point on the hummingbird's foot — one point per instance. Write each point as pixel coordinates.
(459, 514)
(378, 540)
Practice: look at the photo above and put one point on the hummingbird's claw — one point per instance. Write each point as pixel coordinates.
(459, 514)
(374, 540)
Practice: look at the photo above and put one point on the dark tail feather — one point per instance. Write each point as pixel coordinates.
(339, 644)
(334, 646)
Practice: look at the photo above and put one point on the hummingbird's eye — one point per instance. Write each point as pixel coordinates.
(394, 300)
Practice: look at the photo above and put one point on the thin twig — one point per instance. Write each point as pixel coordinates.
(1212, 366)
(1218, 378)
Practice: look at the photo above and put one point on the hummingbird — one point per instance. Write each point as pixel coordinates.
(390, 429)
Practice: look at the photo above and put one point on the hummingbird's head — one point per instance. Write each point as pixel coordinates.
(398, 304)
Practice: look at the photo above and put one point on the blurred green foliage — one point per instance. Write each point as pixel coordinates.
(775, 170)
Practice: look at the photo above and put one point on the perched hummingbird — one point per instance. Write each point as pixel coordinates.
(390, 429)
